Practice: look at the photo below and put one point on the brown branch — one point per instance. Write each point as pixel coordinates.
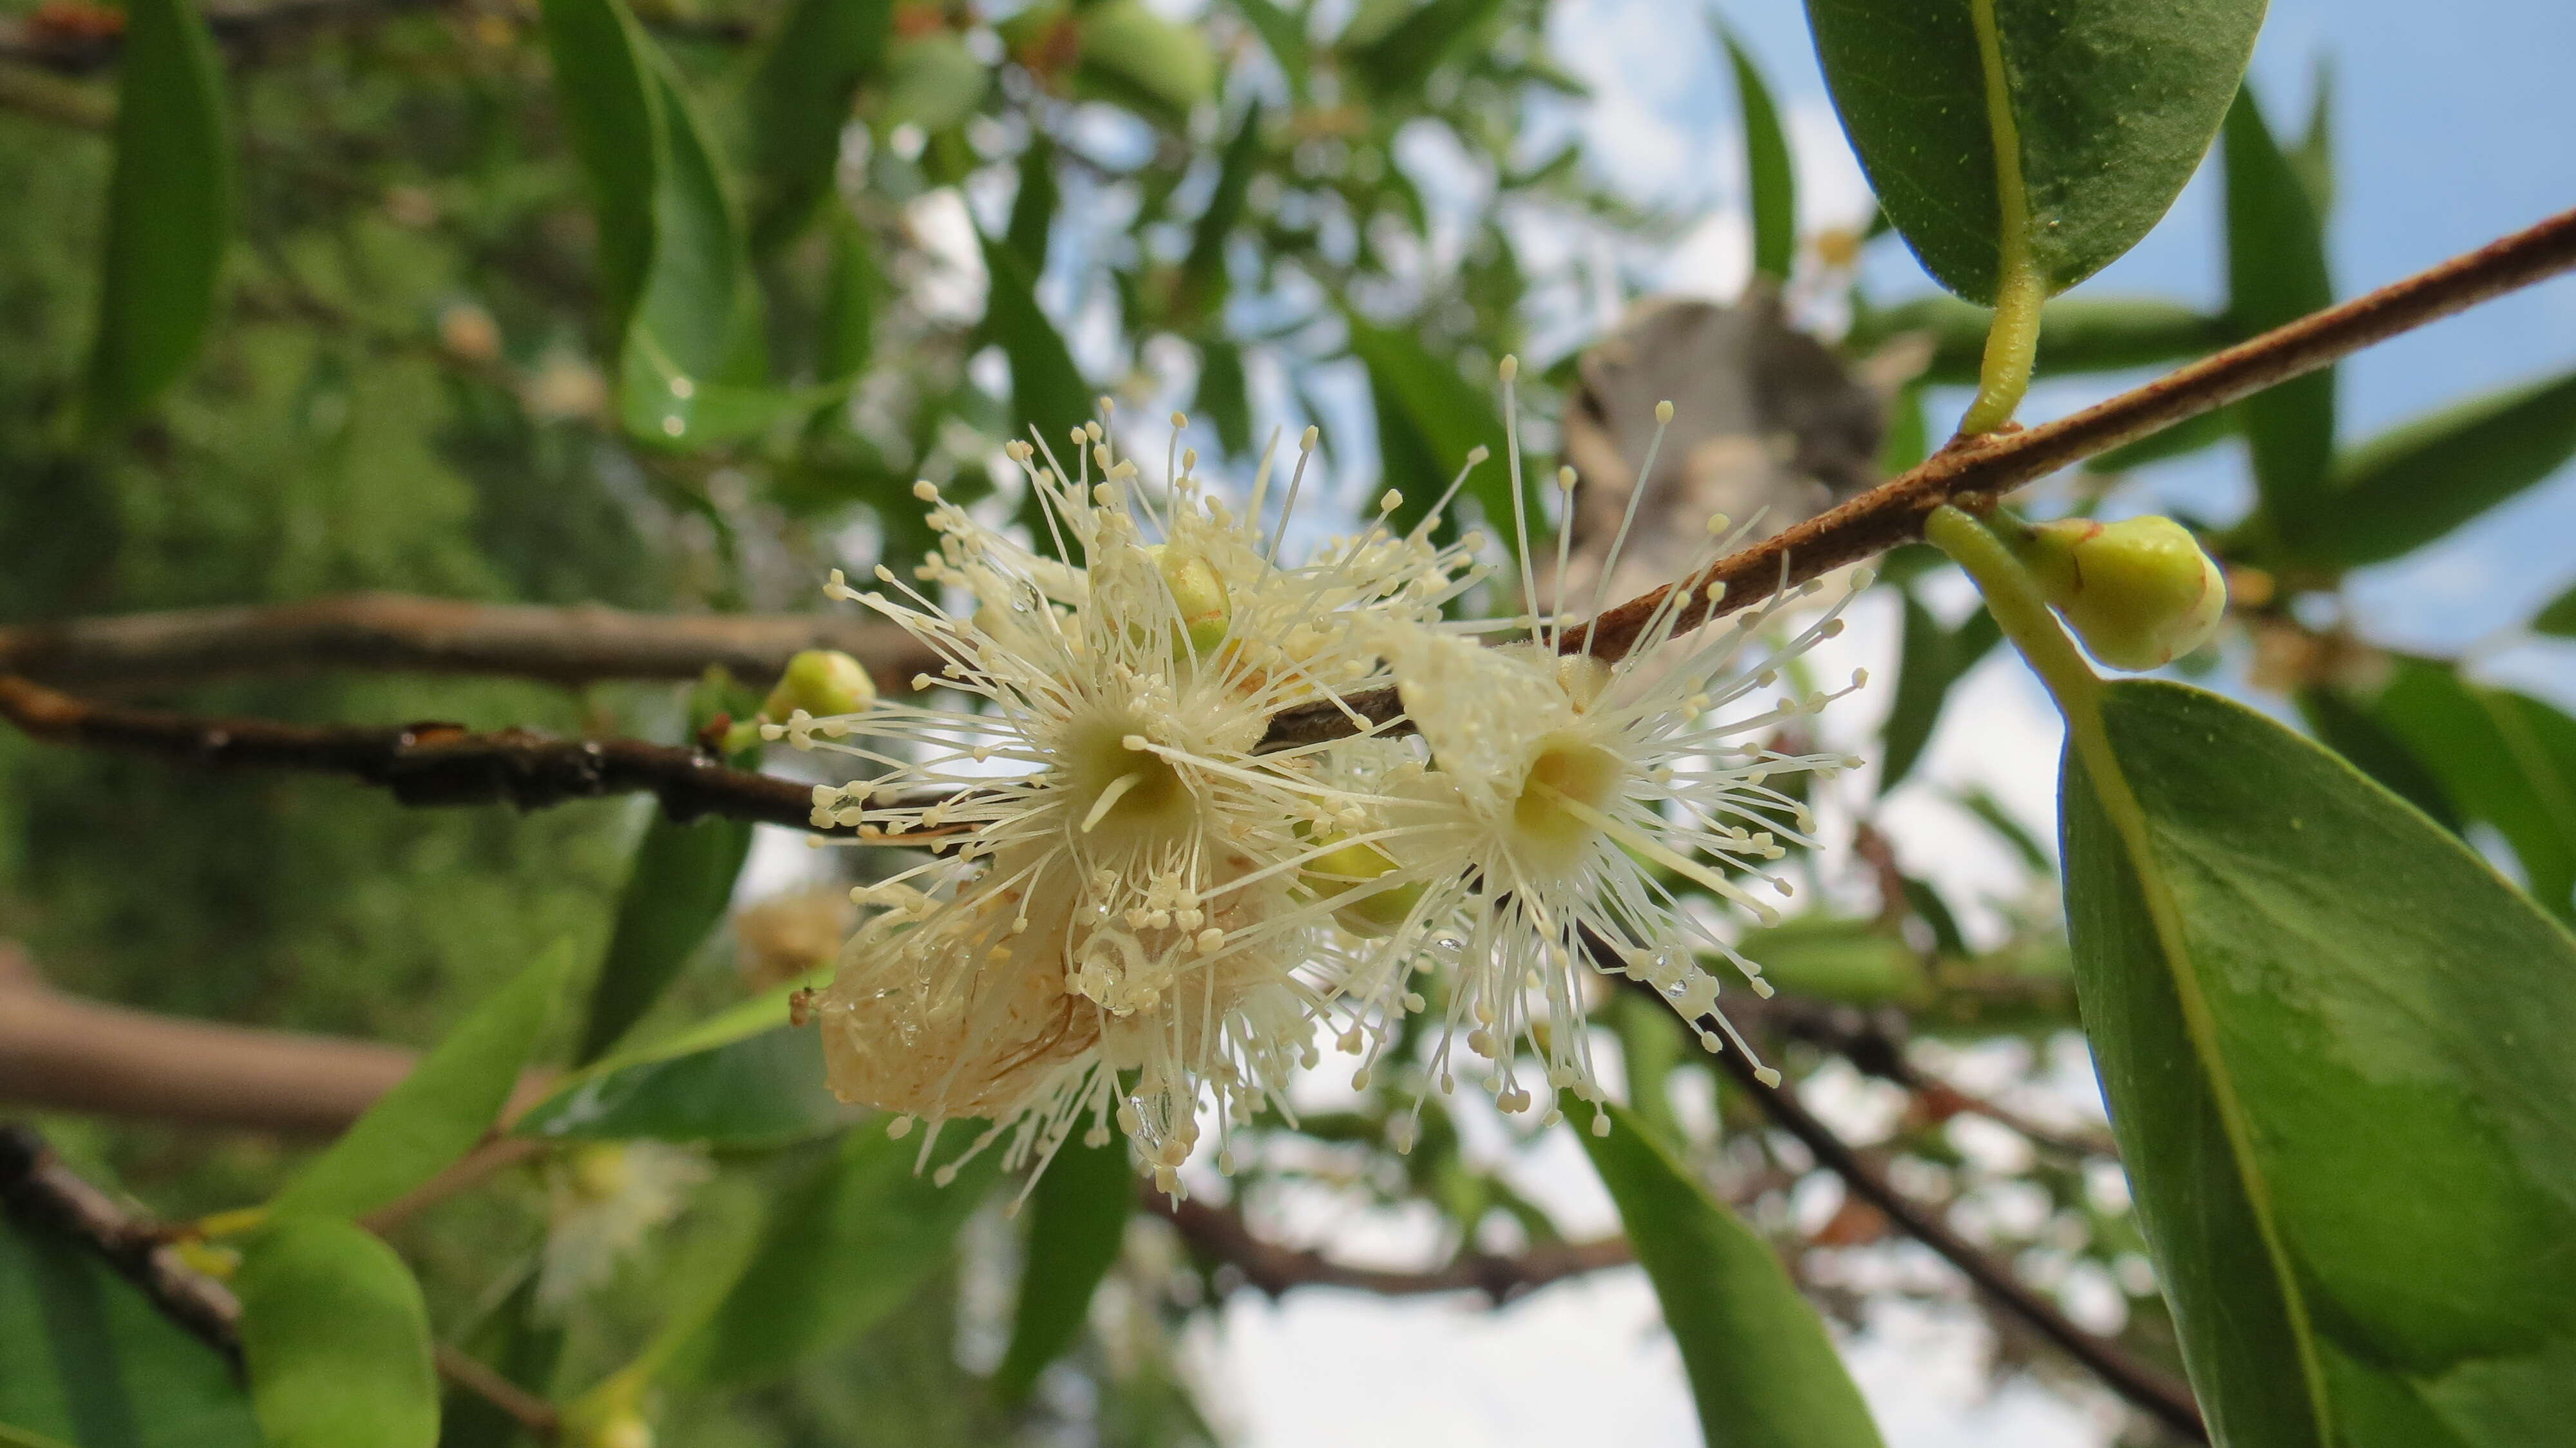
(2164, 1399)
(446, 636)
(1976, 471)
(533, 1413)
(37, 1188)
(1220, 1232)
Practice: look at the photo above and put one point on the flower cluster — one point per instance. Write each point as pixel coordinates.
(1140, 908)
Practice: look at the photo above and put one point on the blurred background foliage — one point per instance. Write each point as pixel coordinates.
(876, 240)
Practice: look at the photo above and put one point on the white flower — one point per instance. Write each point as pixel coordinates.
(603, 1200)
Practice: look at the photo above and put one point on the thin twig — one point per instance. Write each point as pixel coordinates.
(393, 631)
(1221, 1233)
(533, 1413)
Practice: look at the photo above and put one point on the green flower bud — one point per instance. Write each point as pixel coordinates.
(2140, 593)
(1206, 612)
(1374, 911)
(822, 682)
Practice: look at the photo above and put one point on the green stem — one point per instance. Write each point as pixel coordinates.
(2012, 340)
(2012, 596)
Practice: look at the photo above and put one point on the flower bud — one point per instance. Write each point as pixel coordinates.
(2140, 593)
(823, 683)
(1353, 869)
(600, 1170)
(1200, 594)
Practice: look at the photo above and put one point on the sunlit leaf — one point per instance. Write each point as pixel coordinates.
(2320, 1022)
(1763, 1372)
(1077, 1215)
(441, 1109)
(798, 101)
(2276, 273)
(839, 1253)
(87, 1359)
(676, 892)
(336, 1337)
(2407, 487)
(2105, 110)
(169, 210)
(763, 1090)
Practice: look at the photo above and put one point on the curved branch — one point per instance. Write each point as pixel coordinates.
(1221, 1233)
(445, 636)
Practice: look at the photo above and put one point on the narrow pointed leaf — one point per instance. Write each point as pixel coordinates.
(1763, 1372)
(765, 1090)
(2276, 273)
(1077, 1215)
(1203, 275)
(1283, 32)
(1436, 418)
(2377, 751)
(1033, 206)
(1771, 183)
(2557, 617)
(441, 1109)
(1930, 659)
(1224, 397)
(2110, 106)
(612, 111)
(676, 891)
(337, 1339)
(2332, 1083)
(169, 210)
(2503, 759)
(2404, 489)
(2076, 334)
(799, 101)
(1048, 395)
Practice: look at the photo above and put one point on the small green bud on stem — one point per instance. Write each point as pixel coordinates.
(2140, 593)
(823, 683)
(1206, 612)
(1354, 869)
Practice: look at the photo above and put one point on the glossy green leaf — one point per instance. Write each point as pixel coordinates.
(2276, 273)
(840, 1253)
(1429, 419)
(2557, 617)
(2109, 107)
(676, 893)
(2076, 334)
(2503, 759)
(336, 1337)
(441, 1109)
(169, 210)
(1763, 1372)
(1203, 275)
(86, 1359)
(2407, 487)
(764, 1090)
(1930, 660)
(612, 111)
(798, 101)
(1771, 183)
(1283, 32)
(2323, 1026)
(1077, 1215)
(1224, 397)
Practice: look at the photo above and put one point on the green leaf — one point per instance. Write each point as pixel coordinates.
(1077, 1222)
(798, 102)
(336, 1337)
(2276, 273)
(843, 1250)
(1284, 34)
(1033, 206)
(676, 892)
(2557, 617)
(762, 1091)
(1834, 959)
(2109, 106)
(1769, 178)
(2319, 1024)
(1929, 661)
(86, 1358)
(2409, 486)
(2373, 749)
(1161, 69)
(1429, 420)
(1048, 395)
(849, 321)
(2504, 759)
(1203, 276)
(169, 210)
(1762, 1371)
(1224, 397)
(441, 1109)
(612, 110)
(1395, 62)
(2188, 436)
(524, 1344)
(2313, 157)
(932, 81)
(2076, 334)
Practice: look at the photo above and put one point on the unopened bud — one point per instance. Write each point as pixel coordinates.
(622, 1429)
(1200, 595)
(2139, 592)
(823, 683)
(1374, 911)
(600, 1171)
